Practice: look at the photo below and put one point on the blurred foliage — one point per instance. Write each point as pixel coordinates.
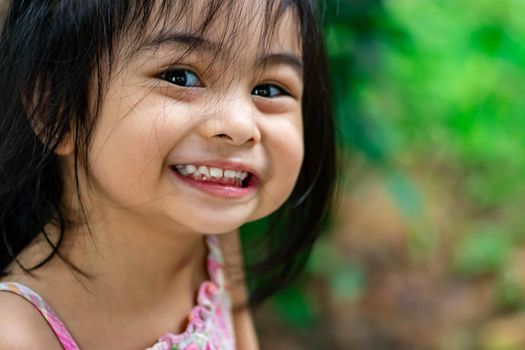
(428, 245)
(449, 92)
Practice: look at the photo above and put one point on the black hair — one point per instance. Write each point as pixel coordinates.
(55, 59)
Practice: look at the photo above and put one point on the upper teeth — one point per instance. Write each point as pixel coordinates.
(210, 171)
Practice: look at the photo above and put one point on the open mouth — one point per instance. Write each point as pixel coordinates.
(213, 175)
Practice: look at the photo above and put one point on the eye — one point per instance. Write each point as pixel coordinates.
(269, 91)
(182, 77)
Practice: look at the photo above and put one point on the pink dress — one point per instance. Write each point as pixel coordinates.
(209, 322)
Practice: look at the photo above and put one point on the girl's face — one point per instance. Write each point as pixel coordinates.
(169, 111)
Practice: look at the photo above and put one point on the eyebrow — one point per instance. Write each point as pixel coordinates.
(201, 44)
(283, 58)
(180, 38)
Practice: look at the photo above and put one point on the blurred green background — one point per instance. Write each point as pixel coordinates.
(427, 250)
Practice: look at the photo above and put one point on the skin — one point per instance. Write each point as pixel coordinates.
(147, 226)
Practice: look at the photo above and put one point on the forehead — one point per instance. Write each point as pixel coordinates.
(228, 28)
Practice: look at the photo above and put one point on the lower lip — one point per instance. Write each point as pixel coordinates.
(218, 189)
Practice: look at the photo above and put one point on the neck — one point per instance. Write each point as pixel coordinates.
(125, 254)
(150, 263)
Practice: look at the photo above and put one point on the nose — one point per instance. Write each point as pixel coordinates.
(232, 122)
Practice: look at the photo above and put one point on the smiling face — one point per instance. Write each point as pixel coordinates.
(202, 137)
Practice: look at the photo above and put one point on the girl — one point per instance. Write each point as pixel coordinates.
(136, 137)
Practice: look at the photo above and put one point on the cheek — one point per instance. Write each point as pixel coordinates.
(139, 125)
(128, 148)
(288, 158)
(118, 169)
(287, 148)
(284, 144)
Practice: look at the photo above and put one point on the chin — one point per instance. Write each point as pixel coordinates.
(217, 228)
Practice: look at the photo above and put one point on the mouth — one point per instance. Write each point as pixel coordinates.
(212, 176)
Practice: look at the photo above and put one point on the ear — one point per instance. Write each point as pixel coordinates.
(66, 146)
(36, 102)
(62, 147)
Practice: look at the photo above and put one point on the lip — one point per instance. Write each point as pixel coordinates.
(221, 190)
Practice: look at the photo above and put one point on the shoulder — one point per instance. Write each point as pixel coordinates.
(22, 326)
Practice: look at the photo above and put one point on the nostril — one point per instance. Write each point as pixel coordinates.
(231, 140)
(224, 136)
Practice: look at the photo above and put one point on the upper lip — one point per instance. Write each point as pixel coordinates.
(223, 164)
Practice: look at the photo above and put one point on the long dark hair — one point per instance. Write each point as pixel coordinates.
(55, 59)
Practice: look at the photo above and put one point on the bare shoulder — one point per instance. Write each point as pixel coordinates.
(22, 326)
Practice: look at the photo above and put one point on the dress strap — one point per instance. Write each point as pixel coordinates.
(45, 310)
(215, 260)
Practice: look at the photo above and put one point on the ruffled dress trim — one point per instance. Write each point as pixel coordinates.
(209, 323)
